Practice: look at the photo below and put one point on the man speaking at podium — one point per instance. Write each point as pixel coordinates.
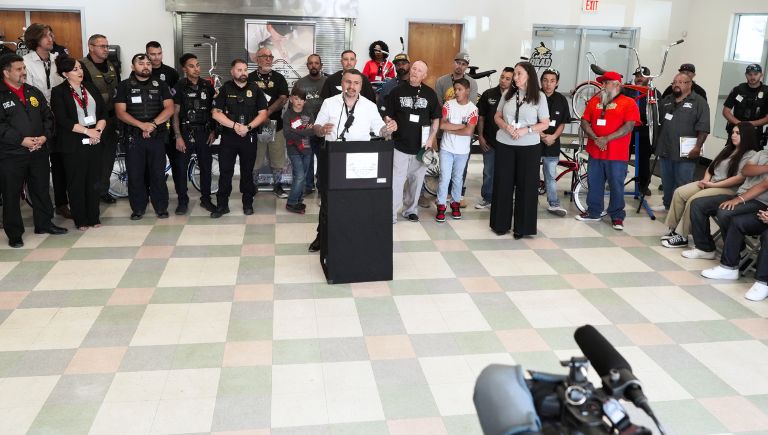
(345, 117)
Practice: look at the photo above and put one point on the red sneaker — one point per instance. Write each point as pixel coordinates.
(456, 210)
(440, 216)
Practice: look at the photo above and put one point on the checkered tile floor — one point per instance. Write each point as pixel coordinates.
(193, 325)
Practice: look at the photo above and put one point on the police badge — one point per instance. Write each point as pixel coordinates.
(203, 96)
(248, 93)
(162, 77)
(33, 101)
(154, 83)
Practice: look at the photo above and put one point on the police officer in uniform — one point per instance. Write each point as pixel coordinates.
(193, 128)
(748, 102)
(97, 69)
(26, 124)
(144, 105)
(240, 107)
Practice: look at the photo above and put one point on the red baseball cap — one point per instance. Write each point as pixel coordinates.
(608, 76)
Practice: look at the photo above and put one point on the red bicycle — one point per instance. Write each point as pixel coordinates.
(585, 91)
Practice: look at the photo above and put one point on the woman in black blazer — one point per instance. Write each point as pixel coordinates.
(80, 119)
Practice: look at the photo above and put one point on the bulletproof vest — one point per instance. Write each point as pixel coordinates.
(196, 102)
(106, 82)
(751, 107)
(241, 103)
(151, 101)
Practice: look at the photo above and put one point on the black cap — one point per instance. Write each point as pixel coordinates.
(644, 70)
(687, 67)
(753, 68)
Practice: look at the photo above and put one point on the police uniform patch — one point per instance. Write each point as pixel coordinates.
(33, 101)
(203, 96)
(248, 93)
(271, 85)
(162, 77)
(111, 68)
(155, 83)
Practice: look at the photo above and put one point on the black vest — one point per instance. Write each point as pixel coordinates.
(752, 106)
(106, 82)
(151, 99)
(241, 103)
(195, 108)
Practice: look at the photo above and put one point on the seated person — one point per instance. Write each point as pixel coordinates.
(722, 177)
(741, 226)
(750, 198)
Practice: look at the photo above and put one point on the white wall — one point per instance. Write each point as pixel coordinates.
(129, 24)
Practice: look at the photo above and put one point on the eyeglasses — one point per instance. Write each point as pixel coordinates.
(266, 56)
(103, 46)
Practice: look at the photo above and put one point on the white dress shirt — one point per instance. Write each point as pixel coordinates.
(36, 73)
(367, 118)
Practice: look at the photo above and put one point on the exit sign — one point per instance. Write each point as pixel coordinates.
(589, 5)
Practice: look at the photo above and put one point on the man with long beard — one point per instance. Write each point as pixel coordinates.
(608, 121)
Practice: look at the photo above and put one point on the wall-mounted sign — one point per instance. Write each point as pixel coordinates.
(589, 5)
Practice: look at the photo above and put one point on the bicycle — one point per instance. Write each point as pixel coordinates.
(118, 181)
(215, 79)
(575, 165)
(585, 91)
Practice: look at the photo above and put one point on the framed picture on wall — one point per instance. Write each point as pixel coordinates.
(290, 42)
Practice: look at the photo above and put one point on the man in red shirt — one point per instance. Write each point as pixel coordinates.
(608, 121)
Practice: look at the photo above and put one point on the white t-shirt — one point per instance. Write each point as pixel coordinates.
(456, 113)
(367, 118)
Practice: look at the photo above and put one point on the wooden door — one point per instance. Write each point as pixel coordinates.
(436, 44)
(66, 29)
(12, 25)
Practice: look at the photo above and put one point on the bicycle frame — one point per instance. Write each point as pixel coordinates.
(215, 79)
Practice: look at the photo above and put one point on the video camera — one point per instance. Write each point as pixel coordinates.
(508, 403)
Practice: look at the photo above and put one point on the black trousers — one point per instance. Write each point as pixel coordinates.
(231, 147)
(742, 226)
(515, 189)
(146, 158)
(108, 153)
(83, 169)
(322, 188)
(59, 180)
(643, 160)
(34, 169)
(703, 208)
(180, 163)
(178, 169)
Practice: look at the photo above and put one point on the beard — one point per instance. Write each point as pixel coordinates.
(144, 73)
(241, 79)
(677, 92)
(314, 72)
(401, 72)
(607, 96)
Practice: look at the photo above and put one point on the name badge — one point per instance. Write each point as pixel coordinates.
(268, 98)
(553, 123)
(668, 116)
(86, 141)
(89, 120)
(687, 106)
(296, 123)
(136, 99)
(739, 98)
(760, 94)
(377, 79)
(601, 122)
(413, 117)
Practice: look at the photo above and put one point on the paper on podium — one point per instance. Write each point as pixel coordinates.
(362, 165)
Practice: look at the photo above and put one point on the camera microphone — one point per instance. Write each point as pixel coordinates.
(609, 363)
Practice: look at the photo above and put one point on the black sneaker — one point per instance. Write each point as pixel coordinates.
(315, 245)
(208, 205)
(137, 215)
(676, 241)
(219, 212)
(181, 209)
(247, 210)
(108, 199)
(162, 215)
(279, 192)
(413, 217)
(295, 208)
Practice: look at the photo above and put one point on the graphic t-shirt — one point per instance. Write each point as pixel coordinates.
(456, 113)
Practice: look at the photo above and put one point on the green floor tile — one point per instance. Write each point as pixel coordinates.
(258, 234)
(8, 255)
(687, 417)
(637, 279)
(248, 330)
(243, 412)
(296, 351)
(692, 375)
(439, 232)
(478, 342)
(544, 361)
(653, 259)
(293, 291)
(172, 295)
(325, 290)
(464, 264)
(62, 241)
(703, 331)
(291, 249)
(245, 381)
(499, 311)
(583, 242)
(368, 428)
(612, 306)
(560, 261)
(163, 235)
(382, 324)
(255, 270)
(720, 302)
(532, 282)
(558, 338)
(502, 243)
(143, 273)
(413, 246)
(207, 251)
(407, 401)
(81, 389)
(148, 358)
(25, 276)
(196, 356)
(99, 253)
(64, 419)
(462, 425)
(379, 305)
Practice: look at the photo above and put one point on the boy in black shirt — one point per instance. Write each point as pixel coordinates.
(559, 114)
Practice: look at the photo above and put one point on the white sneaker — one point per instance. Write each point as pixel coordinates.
(697, 253)
(557, 210)
(720, 272)
(659, 208)
(757, 292)
(483, 204)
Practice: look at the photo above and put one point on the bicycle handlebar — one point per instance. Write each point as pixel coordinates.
(663, 62)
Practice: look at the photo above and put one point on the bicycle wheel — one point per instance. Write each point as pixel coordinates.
(581, 96)
(194, 173)
(432, 176)
(118, 181)
(652, 113)
(580, 193)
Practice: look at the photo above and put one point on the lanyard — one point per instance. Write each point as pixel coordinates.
(82, 102)
(519, 104)
(348, 111)
(47, 67)
(605, 106)
(416, 99)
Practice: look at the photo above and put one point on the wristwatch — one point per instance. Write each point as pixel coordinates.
(249, 127)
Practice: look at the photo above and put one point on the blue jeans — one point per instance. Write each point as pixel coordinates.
(299, 165)
(549, 168)
(451, 171)
(598, 172)
(486, 191)
(675, 173)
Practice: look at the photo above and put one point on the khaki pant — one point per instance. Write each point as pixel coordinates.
(276, 150)
(679, 215)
